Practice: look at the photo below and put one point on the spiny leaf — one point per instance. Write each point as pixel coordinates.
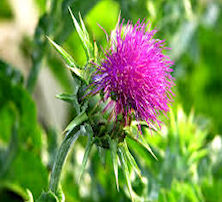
(140, 140)
(66, 97)
(76, 24)
(68, 59)
(113, 146)
(72, 99)
(125, 169)
(76, 121)
(95, 51)
(132, 161)
(83, 27)
(88, 149)
(83, 34)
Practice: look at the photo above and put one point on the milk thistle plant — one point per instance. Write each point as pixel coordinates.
(116, 96)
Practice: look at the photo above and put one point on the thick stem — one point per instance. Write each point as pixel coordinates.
(70, 138)
(60, 159)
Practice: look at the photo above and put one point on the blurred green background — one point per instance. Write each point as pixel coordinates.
(189, 146)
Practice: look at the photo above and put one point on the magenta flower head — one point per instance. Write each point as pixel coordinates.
(135, 74)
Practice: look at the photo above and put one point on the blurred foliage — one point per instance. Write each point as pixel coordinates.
(21, 138)
(5, 10)
(188, 149)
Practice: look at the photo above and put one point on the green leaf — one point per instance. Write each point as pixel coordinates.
(83, 34)
(95, 52)
(68, 59)
(141, 141)
(72, 99)
(28, 171)
(66, 97)
(125, 170)
(17, 100)
(14, 75)
(76, 121)
(131, 159)
(22, 159)
(55, 64)
(113, 146)
(9, 155)
(82, 25)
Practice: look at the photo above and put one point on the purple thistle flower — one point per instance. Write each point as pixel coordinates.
(135, 74)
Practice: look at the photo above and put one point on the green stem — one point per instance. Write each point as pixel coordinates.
(34, 72)
(71, 136)
(45, 26)
(60, 159)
